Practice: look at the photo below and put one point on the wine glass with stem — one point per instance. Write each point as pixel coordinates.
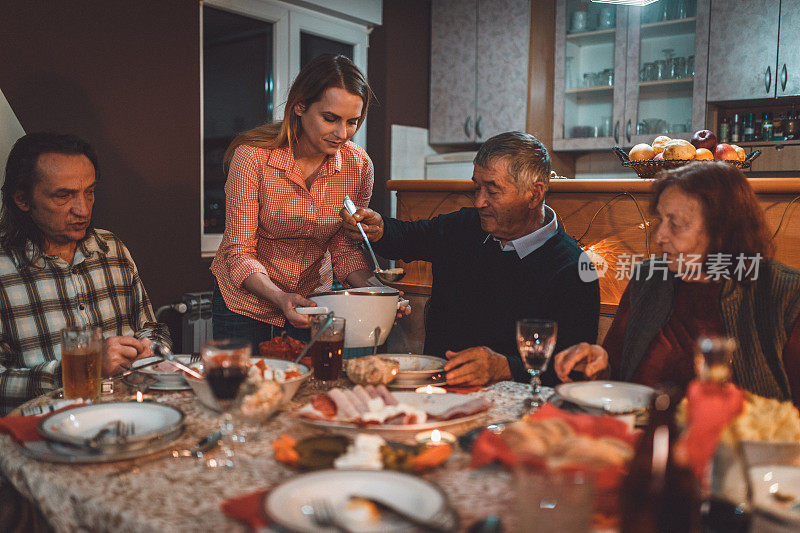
(536, 340)
(226, 364)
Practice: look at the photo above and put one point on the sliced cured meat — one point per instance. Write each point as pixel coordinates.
(359, 402)
(387, 397)
(465, 408)
(359, 391)
(372, 391)
(324, 405)
(344, 407)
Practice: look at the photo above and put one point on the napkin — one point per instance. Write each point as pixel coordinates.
(24, 428)
(21, 428)
(246, 509)
(710, 409)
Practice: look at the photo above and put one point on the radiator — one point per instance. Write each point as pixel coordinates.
(196, 327)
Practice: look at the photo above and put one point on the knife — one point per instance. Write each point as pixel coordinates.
(206, 444)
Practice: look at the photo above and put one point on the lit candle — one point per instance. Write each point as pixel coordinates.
(435, 437)
(139, 396)
(430, 389)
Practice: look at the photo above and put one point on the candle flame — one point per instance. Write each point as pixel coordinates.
(436, 436)
(139, 396)
(430, 389)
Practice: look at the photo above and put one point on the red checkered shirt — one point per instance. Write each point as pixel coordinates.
(275, 225)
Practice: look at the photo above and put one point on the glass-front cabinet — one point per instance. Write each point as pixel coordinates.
(625, 75)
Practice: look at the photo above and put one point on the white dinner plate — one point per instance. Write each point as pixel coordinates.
(55, 452)
(166, 380)
(150, 421)
(614, 397)
(289, 504)
(769, 480)
(415, 399)
(416, 370)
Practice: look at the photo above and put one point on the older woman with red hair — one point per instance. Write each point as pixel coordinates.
(716, 277)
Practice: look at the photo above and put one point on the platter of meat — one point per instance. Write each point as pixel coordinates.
(376, 408)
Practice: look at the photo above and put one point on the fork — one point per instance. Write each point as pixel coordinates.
(324, 516)
(120, 430)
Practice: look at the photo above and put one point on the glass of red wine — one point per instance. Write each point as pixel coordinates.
(226, 367)
(536, 340)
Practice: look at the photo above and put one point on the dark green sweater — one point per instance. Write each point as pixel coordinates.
(479, 291)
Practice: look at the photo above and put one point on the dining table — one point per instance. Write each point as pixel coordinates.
(160, 492)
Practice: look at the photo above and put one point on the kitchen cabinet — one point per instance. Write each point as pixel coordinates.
(753, 51)
(479, 69)
(624, 75)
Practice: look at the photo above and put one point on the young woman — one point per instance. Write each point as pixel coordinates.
(286, 185)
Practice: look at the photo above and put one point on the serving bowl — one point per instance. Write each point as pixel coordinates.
(364, 309)
(289, 387)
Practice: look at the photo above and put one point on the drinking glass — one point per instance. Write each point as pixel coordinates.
(326, 352)
(536, 340)
(226, 365)
(713, 357)
(81, 361)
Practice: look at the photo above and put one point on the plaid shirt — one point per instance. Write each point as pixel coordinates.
(101, 288)
(276, 225)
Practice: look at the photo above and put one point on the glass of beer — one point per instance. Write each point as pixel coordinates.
(326, 352)
(81, 361)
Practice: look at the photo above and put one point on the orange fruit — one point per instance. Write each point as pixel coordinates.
(704, 154)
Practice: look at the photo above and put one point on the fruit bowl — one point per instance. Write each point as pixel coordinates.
(648, 168)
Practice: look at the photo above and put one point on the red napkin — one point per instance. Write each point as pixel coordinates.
(710, 409)
(24, 428)
(21, 428)
(246, 509)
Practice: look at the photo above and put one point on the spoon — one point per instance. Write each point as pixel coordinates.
(389, 275)
(314, 338)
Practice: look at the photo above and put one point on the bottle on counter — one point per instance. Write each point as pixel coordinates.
(736, 128)
(777, 127)
(793, 125)
(748, 128)
(724, 130)
(757, 127)
(766, 127)
(660, 494)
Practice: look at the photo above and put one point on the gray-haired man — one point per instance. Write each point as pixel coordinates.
(504, 259)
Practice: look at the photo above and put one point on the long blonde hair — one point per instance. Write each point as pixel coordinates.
(322, 73)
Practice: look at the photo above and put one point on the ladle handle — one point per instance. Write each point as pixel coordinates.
(351, 208)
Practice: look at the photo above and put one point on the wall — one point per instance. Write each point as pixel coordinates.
(125, 76)
(399, 72)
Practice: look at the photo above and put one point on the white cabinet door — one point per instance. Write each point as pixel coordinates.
(743, 49)
(453, 64)
(502, 73)
(789, 49)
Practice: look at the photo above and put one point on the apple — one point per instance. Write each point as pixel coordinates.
(726, 152)
(704, 139)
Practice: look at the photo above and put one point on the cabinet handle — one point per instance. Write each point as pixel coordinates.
(628, 130)
(467, 128)
(616, 132)
(768, 78)
(784, 76)
(478, 128)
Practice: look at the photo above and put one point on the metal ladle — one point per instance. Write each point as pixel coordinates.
(390, 275)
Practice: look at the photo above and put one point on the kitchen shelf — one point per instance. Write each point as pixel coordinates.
(592, 37)
(589, 90)
(679, 82)
(758, 144)
(668, 28)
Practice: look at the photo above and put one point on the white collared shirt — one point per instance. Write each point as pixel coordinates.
(527, 244)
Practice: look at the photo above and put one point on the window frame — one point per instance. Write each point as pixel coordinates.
(289, 21)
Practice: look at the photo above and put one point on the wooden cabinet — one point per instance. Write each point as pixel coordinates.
(479, 69)
(753, 49)
(633, 74)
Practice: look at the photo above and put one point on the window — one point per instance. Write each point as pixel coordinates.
(252, 50)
